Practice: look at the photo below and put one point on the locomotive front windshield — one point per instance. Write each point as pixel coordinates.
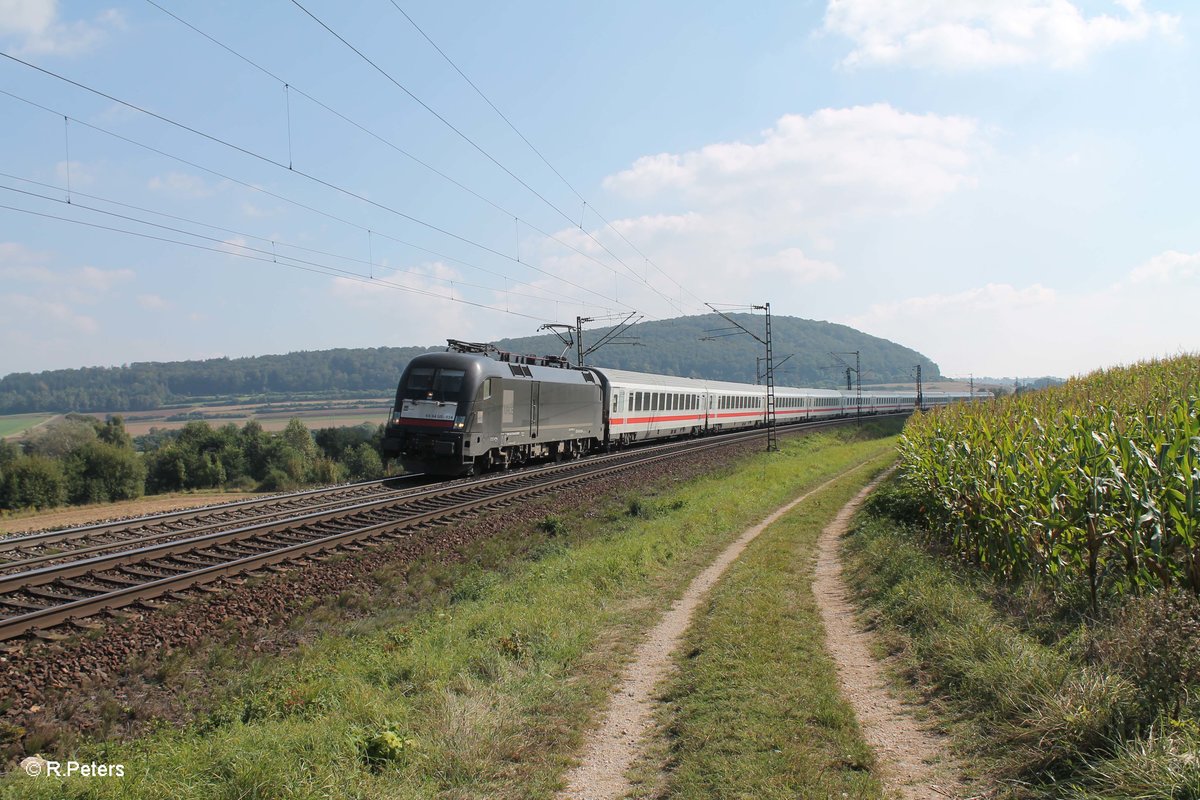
(432, 383)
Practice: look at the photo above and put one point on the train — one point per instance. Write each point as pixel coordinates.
(467, 412)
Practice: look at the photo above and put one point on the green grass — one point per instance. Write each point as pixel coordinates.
(12, 424)
(468, 680)
(755, 710)
(1039, 710)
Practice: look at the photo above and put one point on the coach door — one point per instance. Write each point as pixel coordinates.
(535, 391)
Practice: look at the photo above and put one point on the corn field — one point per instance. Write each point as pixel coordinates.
(1094, 485)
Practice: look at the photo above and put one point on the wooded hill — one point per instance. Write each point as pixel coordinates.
(672, 347)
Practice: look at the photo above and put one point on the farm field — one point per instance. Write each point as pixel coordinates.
(12, 425)
(273, 417)
(25, 521)
(1092, 488)
(1035, 568)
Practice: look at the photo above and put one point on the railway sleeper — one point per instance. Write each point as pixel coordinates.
(45, 594)
(23, 605)
(194, 560)
(151, 574)
(80, 586)
(85, 624)
(119, 580)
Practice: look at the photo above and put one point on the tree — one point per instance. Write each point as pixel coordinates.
(297, 437)
(99, 472)
(166, 469)
(113, 432)
(58, 439)
(363, 463)
(33, 481)
(255, 451)
(9, 453)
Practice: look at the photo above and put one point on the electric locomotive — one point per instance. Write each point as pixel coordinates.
(458, 413)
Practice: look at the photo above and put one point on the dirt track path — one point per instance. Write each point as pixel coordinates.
(611, 749)
(913, 760)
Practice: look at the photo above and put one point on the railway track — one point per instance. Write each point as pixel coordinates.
(157, 557)
(24, 552)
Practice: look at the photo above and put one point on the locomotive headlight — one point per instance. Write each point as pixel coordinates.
(459, 422)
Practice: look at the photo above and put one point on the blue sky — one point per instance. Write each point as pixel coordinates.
(1009, 188)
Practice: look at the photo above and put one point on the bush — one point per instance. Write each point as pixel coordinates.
(277, 481)
(385, 747)
(363, 462)
(1155, 642)
(552, 526)
(99, 472)
(897, 501)
(33, 481)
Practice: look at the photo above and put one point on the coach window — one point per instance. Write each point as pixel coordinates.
(487, 389)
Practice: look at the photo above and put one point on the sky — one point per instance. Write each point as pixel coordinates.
(1008, 187)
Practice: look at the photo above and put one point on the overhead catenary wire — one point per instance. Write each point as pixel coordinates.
(288, 87)
(539, 154)
(272, 242)
(476, 146)
(224, 176)
(287, 262)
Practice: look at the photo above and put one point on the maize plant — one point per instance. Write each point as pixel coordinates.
(1093, 485)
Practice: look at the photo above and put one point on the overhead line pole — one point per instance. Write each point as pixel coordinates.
(614, 335)
(857, 376)
(772, 432)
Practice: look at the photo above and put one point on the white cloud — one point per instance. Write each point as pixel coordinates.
(19, 264)
(831, 163)
(153, 302)
(1001, 329)
(1169, 267)
(739, 221)
(998, 298)
(38, 30)
(99, 280)
(28, 312)
(793, 266)
(966, 34)
(421, 298)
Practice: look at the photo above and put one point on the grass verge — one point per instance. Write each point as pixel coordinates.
(481, 682)
(755, 709)
(1042, 716)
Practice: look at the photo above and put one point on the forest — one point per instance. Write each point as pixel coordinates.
(684, 346)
